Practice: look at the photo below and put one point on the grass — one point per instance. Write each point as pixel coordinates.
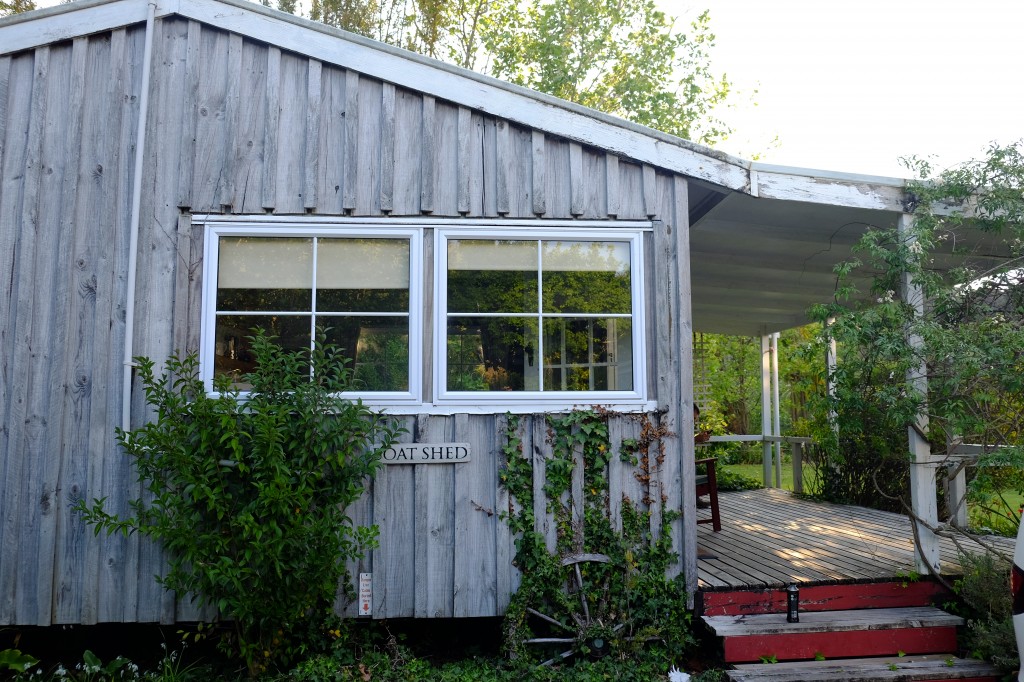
(754, 471)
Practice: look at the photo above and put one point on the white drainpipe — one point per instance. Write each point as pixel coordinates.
(133, 244)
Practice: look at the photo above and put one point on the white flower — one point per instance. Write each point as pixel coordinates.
(675, 675)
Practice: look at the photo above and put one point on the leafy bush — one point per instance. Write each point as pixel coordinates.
(984, 590)
(248, 496)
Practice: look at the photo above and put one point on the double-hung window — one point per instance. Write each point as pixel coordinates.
(521, 316)
(354, 283)
(539, 316)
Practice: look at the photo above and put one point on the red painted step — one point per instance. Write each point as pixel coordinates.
(835, 634)
(891, 594)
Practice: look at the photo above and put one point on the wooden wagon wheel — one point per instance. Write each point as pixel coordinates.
(584, 628)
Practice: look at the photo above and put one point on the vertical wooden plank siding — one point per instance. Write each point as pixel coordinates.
(187, 135)
(577, 498)
(291, 136)
(475, 519)
(407, 159)
(273, 115)
(331, 167)
(559, 179)
(595, 200)
(352, 150)
(209, 116)
(544, 520)
(464, 168)
(490, 188)
(687, 546)
(446, 160)
(428, 151)
(611, 163)
(367, 167)
(538, 176)
(507, 576)
(503, 160)
(395, 496)
(75, 315)
(232, 119)
(250, 134)
(576, 198)
(387, 148)
(435, 526)
(650, 191)
(311, 166)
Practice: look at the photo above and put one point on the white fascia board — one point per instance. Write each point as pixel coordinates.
(822, 187)
(63, 22)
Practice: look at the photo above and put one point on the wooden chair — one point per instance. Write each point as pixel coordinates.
(707, 484)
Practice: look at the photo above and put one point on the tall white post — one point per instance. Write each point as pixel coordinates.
(831, 364)
(922, 469)
(777, 430)
(766, 408)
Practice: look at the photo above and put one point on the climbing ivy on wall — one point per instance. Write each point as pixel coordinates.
(604, 590)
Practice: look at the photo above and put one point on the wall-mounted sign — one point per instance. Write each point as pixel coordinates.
(426, 453)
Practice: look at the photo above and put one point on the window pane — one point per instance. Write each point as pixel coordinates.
(362, 275)
(233, 351)
(492, 354)
(588, 354)
(265, 273)
(492, 276)
(381, 345)
(586, 277)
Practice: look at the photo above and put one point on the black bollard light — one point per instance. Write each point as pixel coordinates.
(793, 603)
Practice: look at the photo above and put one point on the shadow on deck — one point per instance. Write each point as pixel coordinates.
(770, 538)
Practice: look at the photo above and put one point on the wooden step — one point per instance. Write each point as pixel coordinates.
(871, 595)
(927, 668)
(864, 632)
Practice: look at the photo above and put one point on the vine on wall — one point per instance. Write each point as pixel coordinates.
(603, 591)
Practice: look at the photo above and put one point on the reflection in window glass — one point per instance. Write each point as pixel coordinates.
(358, 292)
(500, 293)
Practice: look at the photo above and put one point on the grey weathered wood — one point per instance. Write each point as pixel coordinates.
(595, 187)
(503, 161)
(446, 160)
(872, 669)
(393, 570)
(464, 165)
(475, 519)
(538, 175)
(387, 148)
(408, 152)
(187, 135)
(631, 192)
(611, 162)
(232, 118)
(544, 520)
(576, 196)
(684, 531)
(74, 314)
(352, 150)
(507, 575)
(250, 135)
(368, 166)
(311, 165)
(435, 526)
(292, 137)
(650, 191)
(578, 499)
(832, 621)
(273, 117)
(428, 150)
(489, 171)
(209, 118)
(331, 169)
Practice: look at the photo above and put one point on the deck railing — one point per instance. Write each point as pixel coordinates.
(797, 443)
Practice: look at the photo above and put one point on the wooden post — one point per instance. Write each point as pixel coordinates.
(776, 425)
(766, 409)
(922, 469)
(798, 467)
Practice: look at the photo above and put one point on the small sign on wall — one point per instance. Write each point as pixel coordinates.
(426, 453)
(365, 594)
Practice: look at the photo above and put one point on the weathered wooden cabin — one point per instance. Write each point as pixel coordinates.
(173, 172)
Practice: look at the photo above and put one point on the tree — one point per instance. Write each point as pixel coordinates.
(964, 250)
(9, 7)
(623, 57)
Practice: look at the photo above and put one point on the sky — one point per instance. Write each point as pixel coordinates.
(853, 86)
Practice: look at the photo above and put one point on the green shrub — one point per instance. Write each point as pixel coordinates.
(984, 591)
(248, 496)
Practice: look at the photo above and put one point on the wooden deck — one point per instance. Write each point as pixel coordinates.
(770, 538)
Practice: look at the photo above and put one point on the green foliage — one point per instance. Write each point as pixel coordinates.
(733, 480)
(248, 496)
(13, 659)
(969, 340)
(624, 600)
(625, 58)
(9, 7)
(985, 599)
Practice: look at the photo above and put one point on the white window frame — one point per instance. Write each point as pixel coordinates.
(304, 227)
(547, 400)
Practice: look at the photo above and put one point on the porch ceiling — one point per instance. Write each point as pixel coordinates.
(758, 264)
